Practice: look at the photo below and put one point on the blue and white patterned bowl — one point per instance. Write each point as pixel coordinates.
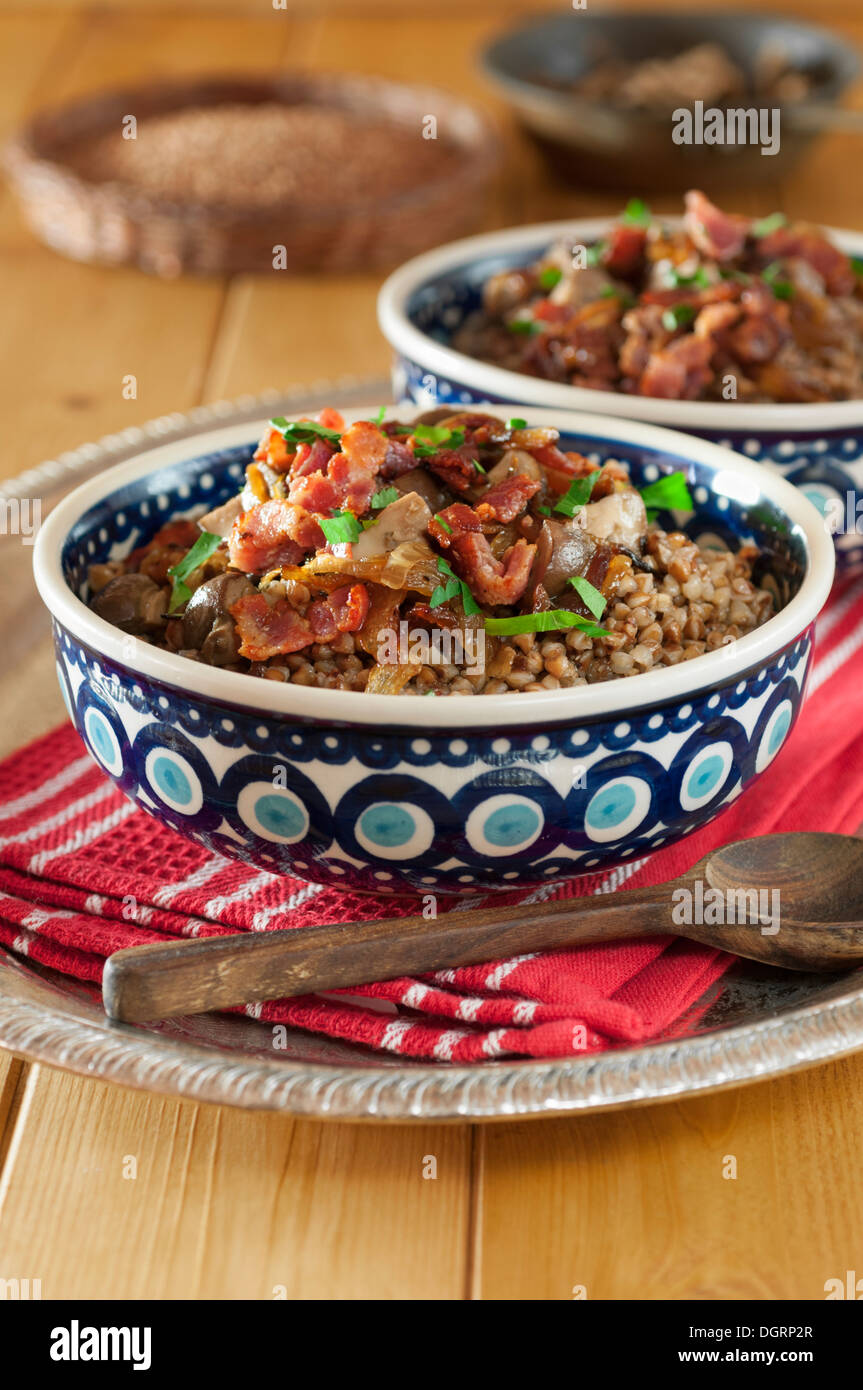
(817, 447)
(460, 795)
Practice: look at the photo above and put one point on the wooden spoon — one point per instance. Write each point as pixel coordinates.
(818, 879)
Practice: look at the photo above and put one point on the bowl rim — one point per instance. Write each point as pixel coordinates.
(725, 417)
(568, 707)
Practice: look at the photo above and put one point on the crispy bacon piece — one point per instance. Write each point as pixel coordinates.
(679, 371)
(507, 499)
(267, 629)
(490, 580)
(349, 479)
(275, 533)
(625, 249)
(273, 450)
(398, 459)
(809, 244)
(312, 458)
(456, 468)
(717, 234)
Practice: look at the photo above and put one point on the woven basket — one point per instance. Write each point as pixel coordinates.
(115, 224)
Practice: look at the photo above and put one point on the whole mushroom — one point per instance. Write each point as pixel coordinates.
(208, 627)
(132, 602)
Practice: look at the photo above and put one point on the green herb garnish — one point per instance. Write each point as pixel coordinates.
(668, 493)
(552, 621)
(341, 528)
(637, 212)
(525, 326)
(379, 418)
(516, 423)
(589, 595)
(192, 560)
(445, 524)
(453, 587)
(384, 497)
(577, 494)
(594, 254)
(782, 289)
(550, 276)
(676, 316)
(304, 431)
(429, 439)
(857, 265)
(699, 278)
(769, 224)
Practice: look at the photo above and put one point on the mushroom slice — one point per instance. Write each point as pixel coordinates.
(403, 520)
(220, 521)
(620, 517)
(207, 623)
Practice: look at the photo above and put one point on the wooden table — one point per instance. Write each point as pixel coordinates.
(239, 1206)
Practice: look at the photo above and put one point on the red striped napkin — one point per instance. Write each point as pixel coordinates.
(83, 873)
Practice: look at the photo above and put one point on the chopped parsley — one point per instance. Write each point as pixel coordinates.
(594, 254)
(589, 595)
(550, 276)
(342, 528)
(516, 423)
(668, 493)
(192, 560)
(304, 431)
(637, 213)
(429, 439)
(379, 418)
(452, 589)
(445, 524)
(384, 497)
(782, 288)
(769, 224)
(857, 265)
(676, 316)
(554, 620)
(525, 326)
(577, 494)
(699, 278)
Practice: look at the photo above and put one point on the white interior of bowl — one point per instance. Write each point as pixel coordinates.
(417, 711)
(498, 382)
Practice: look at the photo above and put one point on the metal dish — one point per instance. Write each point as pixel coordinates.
(759, 1022)
(588, 141)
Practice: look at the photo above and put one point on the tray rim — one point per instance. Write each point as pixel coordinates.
(40, 1025)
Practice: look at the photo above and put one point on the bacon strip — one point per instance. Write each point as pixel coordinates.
(275, 629)
(490, 580)
(507, 499)
(808, 244)
(349, 479)
(273, 534)
(720, 235)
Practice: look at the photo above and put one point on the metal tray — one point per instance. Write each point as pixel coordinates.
(759, 1022)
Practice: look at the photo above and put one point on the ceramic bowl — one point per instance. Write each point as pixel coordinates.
(817, 447)
(405, 793)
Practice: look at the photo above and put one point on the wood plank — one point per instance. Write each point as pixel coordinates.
(226, 1204)
(634, 1205)
(65, 384)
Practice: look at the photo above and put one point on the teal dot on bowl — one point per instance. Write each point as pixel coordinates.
(387, 825)
(100, 737)
(778, 732)
(511, 825)
(705, 778)
(172, 780)
(611, 807)
(280, 816)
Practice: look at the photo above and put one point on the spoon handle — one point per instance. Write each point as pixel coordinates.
(145, 983)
